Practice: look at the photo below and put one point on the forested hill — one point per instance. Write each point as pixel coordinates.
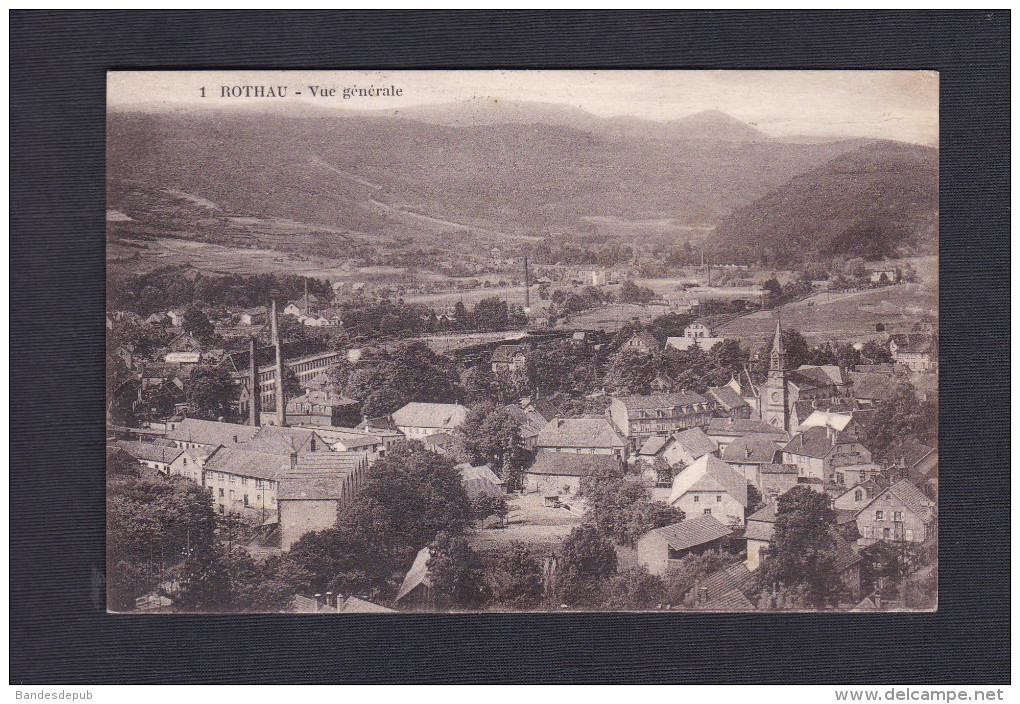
(876, 201)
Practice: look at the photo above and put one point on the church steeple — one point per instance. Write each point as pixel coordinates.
(775, 396)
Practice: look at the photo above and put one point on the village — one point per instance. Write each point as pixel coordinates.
(345, 450)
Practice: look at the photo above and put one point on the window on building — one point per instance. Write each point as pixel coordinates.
(244, 481)
(231, 494)
(718, 498)
(697, 499)
(245, 499)
(708, 512)
(221, 492)
(885, 532)
(858, 495)
(878, 515)
(221, 509)
(897, 515)
(313, 445)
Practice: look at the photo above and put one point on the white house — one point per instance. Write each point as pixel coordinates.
(419, 420)
(710, 487)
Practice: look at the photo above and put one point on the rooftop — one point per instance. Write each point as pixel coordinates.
(693, 532)
(210, 432)
(709, 473)
(445, 416)
(580, 432)
(756, 448)
(635, 402)
(245, 463)
(150, 452)
(573, 465)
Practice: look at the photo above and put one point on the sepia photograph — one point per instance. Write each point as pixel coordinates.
(391, 342)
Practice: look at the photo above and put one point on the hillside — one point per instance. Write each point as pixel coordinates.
(880, 200)
(332, 183)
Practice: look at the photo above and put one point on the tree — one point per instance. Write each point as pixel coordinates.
(492, 435)
(684, 574)
(410, 497)
(630, 292)
(211, 393)
(773, 288)
(802, 561)
(485, 505)
(152, 526)
(899, 420)
(634, 589)
(755, 501)
(516, 579)
(197, 324)
(390, 379)
(587, 559)
(456, 572)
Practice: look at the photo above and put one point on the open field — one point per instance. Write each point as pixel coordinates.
(531, 522)
(614, 316)
(845, 317)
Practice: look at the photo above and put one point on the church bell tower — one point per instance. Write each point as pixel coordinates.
(775, 393)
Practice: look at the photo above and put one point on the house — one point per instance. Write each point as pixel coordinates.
(480, 481)
(157, 457)
(833, 372)
(323, 408)
(916, 461)
(695, 335)
(316, 487)
(255, 316)
(245, 483)
(722, 584)
(687, 446)
(858, 496)
(852, 474)
(777, 479)
(884, 275)
(742, 385)
(591, 436)
(887, 369)
(918, 352)
(871, 389)
(417, 420)
(183, 358)
(159, 318)
(559, 473)
(351, 440)
(899, 513)
(532, 415)
(193, 432)
(747, 454)
(658, 548)
(176, 317)
(841, 422)
(638, 417)
(283, 441)
(416, 590)
(758, 533)
(508, 358)
(729, 403)
(184, 343)
(441, 443)
(818, 451)
(710, 487)
(726, 430)
(653, 448)
(642, 342)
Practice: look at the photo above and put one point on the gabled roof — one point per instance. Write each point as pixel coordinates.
(846, 556)
(322, 398)
(766, 514)
(281, 441)
(354, 605)
(685, 343)
(245, 463)
(695, 442)
(149, 452)
(653, 445)
(709, 473)
(872, 387)
(210, 432)
(911, 452)
(643, 338)
(833, 372)
(418, 574)
(813, 442)
(580, 432)
(318, 476)
(442, 416)
(726, 397)
(693, 532)
(911, 497)
(569, 464)
(823, 419)
(726, 580)
(531, 421)
(810, 378)
(479, 479)
(733, 600)
(738, 427)
(635, 402)
(756, 448)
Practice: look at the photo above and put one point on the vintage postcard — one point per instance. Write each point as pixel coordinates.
(383, 342)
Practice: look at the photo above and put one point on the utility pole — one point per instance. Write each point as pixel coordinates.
(527, 286)
(281, 417)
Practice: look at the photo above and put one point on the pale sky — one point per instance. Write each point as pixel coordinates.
(900, 105)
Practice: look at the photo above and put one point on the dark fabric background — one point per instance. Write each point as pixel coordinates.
(59, 629)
